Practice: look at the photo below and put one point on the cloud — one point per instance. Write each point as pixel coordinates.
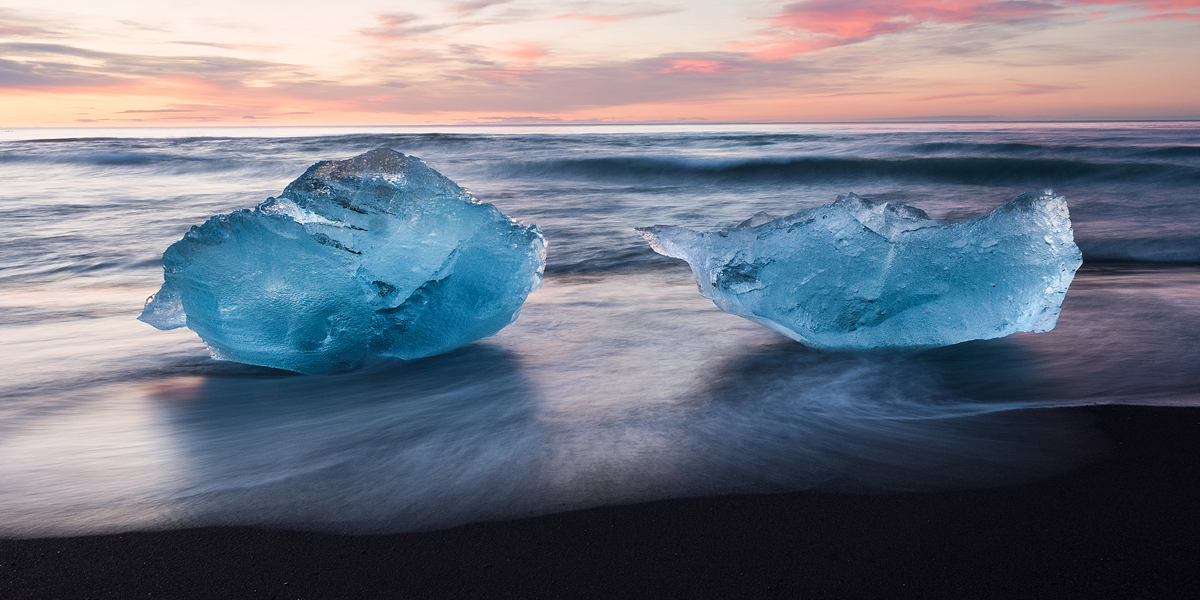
(1149, 5)
(141, 26)
(209, 45)
(526, 90)
(1174, 16)
(1016, 90)
(256, 47)
(471, 6)
(17, 24)
(37, 66)
(597, 12)
(668, 78)
(526, 51)
(412, 26)
(467, 84)
(811, 25)
(403, 25)
(446, 78)
(432, 63)
(699, 65)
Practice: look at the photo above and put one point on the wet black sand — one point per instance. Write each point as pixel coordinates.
(1126, 525)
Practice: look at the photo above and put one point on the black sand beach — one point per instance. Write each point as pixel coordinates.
(1126, 525)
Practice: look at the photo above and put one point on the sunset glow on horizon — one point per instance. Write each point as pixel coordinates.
(113, 63)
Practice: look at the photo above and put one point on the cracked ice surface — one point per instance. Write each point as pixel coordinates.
(377, 254)
(859, 274)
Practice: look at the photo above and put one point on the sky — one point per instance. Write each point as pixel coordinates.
(375, 63)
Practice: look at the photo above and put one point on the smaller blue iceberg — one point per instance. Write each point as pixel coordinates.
(375, 255)
(858, 274)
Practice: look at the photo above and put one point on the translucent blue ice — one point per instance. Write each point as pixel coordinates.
(859, 274)
(377, 254)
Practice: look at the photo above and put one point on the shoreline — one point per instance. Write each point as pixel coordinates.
(1124, 525)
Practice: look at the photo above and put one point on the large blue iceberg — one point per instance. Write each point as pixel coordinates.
(858, 274)
(378, 254)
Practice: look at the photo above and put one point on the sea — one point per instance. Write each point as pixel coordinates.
(619, 383)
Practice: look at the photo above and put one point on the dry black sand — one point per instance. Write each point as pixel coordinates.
(1126, 525)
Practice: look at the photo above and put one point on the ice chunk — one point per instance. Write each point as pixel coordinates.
(859, 274)
(378, 254)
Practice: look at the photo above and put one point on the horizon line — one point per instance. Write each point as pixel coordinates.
(896, 121)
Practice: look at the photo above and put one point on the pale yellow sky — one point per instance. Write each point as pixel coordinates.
(104, 62)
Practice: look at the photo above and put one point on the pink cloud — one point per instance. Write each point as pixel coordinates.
(1160, 10)
(860, 20)
(1177, 16)
(811, 25)
(418, 69)
(693, 65)
(1149, 5)
(526, 52)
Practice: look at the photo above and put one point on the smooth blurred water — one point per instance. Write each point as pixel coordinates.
(618, 383)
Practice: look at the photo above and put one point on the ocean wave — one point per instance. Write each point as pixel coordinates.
(127, 159)
(1101, 152)
(1172, 152)
(1147, 250)
(68, 140)
(959, 170)
(989, 148)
